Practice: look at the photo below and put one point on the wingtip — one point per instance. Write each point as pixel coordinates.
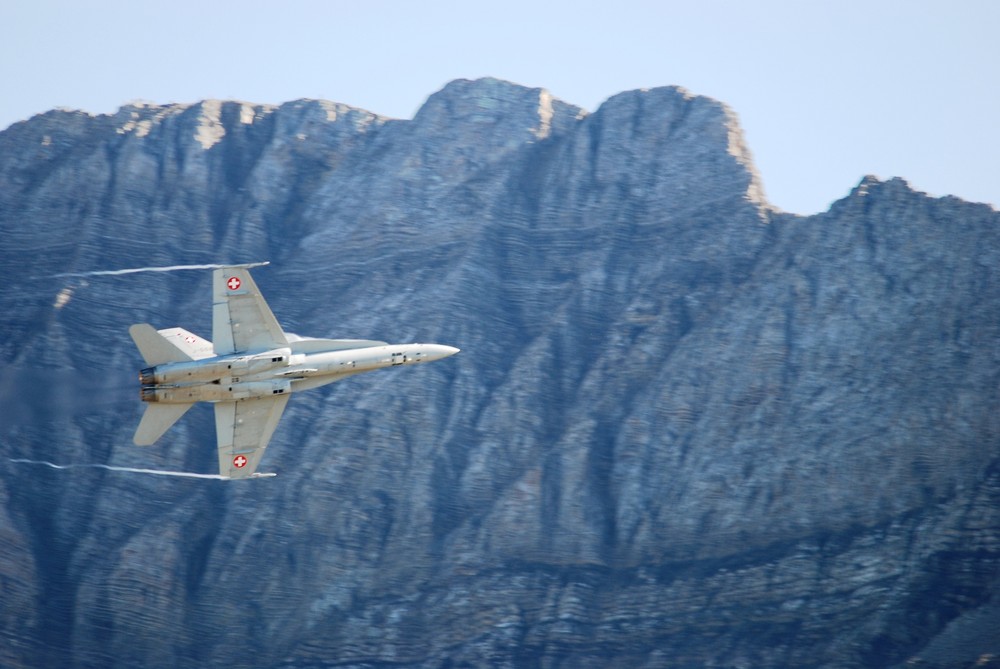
(247, 265)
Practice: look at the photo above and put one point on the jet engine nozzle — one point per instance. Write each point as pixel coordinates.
(147, 377)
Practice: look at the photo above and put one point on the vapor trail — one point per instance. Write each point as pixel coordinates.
(131, 470)
(169, 268)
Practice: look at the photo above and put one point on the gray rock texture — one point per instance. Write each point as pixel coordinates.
(684, 430)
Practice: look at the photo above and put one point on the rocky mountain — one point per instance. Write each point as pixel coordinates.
(685, 429)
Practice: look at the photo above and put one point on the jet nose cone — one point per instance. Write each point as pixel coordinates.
(439, 351)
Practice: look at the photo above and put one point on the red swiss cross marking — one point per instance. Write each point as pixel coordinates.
(234, 283)
(239, 462)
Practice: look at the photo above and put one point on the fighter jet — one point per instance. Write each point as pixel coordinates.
(248, 371)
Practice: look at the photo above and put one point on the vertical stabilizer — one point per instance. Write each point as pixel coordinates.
(157, 420)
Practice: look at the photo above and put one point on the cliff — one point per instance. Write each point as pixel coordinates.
(684, 429)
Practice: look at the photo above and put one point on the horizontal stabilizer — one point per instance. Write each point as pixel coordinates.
(155, 349)
(193, 345)
(157, 420)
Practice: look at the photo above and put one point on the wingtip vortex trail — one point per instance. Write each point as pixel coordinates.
(167, 268)
(113, 468)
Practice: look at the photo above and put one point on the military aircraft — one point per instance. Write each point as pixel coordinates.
(248, 370)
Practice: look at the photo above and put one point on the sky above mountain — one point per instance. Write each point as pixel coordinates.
(825, 92)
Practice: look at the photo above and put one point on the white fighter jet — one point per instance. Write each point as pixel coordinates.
(248, 370)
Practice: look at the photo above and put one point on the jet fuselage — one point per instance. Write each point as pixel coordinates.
(276, 372)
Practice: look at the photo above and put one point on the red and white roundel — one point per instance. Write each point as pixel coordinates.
(234, 283)
(239, 462)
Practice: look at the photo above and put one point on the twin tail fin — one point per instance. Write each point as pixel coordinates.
(158, 348)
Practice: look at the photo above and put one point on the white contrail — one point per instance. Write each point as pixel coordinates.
(169, 268)
(132, 470)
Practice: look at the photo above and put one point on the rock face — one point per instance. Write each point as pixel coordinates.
(685, 430)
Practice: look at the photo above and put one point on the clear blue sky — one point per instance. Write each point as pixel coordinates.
(826, 92)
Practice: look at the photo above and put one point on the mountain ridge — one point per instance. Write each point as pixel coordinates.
(685, 428)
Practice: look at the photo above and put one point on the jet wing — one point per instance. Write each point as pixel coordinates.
(243, 430)
(241, 319)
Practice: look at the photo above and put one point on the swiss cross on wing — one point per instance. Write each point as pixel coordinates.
(240, 461)
(234, 283)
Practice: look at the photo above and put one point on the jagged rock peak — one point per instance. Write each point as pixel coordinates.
(896, 188)
(695, 131)
(870, 183)
(668, 127)
(694, 139)
(490, 100)
(215, 116)
(211, 118)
